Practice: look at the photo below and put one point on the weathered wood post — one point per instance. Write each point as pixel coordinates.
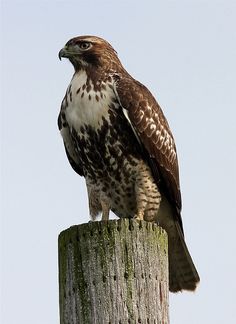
(113, 272)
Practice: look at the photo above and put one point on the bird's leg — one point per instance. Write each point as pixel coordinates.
(105, 210)
(94, 201)
(148, 197)
(141, 202)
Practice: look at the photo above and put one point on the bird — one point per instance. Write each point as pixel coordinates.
(116, 136)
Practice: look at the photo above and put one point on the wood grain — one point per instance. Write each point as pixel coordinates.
(113, 272)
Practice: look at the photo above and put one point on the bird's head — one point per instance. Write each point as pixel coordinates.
(89, 52)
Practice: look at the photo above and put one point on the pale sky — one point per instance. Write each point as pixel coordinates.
(185, 53)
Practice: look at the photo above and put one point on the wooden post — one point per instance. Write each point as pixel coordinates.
(113, 272)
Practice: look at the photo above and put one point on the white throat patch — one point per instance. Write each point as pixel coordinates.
(85, 105)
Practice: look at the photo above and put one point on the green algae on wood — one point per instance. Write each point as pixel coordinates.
(113, 272)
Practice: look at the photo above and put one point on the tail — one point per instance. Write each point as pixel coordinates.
(182, 272)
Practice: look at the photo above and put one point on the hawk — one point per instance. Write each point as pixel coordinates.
(117, 137)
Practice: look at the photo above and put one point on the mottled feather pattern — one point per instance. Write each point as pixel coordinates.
(154, 132)
(116, 136)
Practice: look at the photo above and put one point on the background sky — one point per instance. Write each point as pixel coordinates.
(185, 53)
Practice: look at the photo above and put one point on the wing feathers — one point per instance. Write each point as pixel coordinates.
(151, 127)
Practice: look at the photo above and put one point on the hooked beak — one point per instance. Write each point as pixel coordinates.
(68, 52)
(63, 53)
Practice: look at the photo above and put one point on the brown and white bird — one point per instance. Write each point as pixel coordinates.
(117, 137)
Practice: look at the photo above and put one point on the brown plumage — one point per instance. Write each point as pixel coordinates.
(117, 137)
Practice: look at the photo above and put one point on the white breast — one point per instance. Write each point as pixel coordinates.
(85, 105)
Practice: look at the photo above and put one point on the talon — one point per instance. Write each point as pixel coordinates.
(139, 216)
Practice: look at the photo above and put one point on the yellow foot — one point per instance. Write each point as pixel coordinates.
(139, 215)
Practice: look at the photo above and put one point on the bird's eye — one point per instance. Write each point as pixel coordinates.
(84, 45)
